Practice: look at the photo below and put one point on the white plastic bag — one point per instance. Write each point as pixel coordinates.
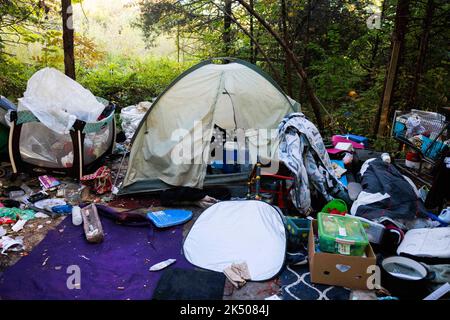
(57, 100)
(132, 116)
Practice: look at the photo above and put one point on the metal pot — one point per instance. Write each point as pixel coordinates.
(404, 277)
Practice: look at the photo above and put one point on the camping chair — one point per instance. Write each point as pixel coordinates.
(280, 178)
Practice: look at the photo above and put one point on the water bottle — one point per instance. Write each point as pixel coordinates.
(77, 219)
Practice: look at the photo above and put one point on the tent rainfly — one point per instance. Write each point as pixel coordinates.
(234, 95)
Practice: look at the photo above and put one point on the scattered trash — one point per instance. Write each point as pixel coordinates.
(49, 182)
(445, 215)
(169, 217)
(438, 293)
(2, 231)
(100, 180)
(423, 192)
(274, 297)
(27, 189)
(10, 244)
(6, 220)
(106, 199)
(41, 215)
(60, 193)
(38, 197)
(45, 261)
(15, 195)
(338, 170)
(115, 190)
(386, 157)
(18, 225)
(348, 158)
(238, 274)
(16, 213)
(162, 265)
(132, 116)
(9, 203)
(77, 219)
(63, 209)
(92, 226)
(48, 204)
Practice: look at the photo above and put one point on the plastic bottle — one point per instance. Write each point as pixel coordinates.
(77, 219)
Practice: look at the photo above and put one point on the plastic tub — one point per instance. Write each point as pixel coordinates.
(298, 230)
(341, 234)
(374, 231)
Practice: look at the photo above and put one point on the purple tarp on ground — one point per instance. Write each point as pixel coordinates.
(115, 269)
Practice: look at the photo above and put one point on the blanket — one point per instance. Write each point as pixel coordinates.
(386, 193)
(303, 152)
(64, 266)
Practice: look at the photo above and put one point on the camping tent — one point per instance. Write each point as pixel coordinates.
(232, 95)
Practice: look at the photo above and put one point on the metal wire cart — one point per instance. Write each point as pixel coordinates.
(426, 136)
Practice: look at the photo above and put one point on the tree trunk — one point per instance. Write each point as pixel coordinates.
(369, 79)
(315, 102)
(67, 22)
(397, 45)
(287, 60)
(252, 36)
(423, 47)
(305, 59)
(227, 27)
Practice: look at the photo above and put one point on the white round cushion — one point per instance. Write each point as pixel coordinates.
(238, 231)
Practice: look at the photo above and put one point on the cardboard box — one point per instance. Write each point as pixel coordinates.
(325, 267)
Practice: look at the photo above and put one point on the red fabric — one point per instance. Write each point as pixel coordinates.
(100, 180)
(5, 220)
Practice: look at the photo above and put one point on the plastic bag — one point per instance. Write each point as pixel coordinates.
(132, 116)
(57, 100)
(413, 126)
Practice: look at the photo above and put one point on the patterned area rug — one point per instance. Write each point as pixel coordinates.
(296, 285)
(296, 281)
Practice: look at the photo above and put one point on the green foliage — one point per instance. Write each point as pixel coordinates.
(13, 77)
(339, 53)
(335, 77)
(127, 81)
(124, 81)
(386, 144)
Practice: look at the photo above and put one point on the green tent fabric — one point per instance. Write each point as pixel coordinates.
(236, 95)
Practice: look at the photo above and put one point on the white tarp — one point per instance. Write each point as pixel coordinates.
(57, 100)
(238, 231)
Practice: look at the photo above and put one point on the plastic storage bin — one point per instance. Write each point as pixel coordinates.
(298, 230)
(341, 234)
(374, 230)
